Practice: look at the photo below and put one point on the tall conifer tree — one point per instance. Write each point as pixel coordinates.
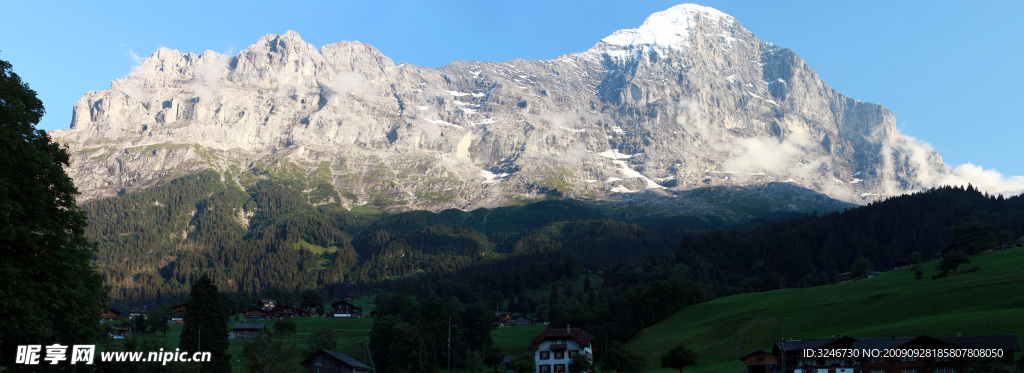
(206, 326)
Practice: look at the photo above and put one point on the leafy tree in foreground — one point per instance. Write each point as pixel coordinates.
(581, 364)
(523, 364)
(266, 352)
(159, 318)
(953, 261)
(206, 325)
(860, 268)
(322, 339)
(50, 291)
(679, 357)
(620, 359)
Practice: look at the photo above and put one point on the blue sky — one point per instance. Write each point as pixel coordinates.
(950, 71)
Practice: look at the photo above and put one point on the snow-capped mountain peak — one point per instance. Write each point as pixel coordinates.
(668, 28)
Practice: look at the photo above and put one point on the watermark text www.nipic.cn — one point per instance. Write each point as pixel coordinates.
(85, 354)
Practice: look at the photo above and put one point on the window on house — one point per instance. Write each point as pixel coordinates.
(559, 355)
(559, 368)
(573, 353)
(545, 368)
(544, 355)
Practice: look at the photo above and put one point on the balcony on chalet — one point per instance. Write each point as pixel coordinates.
(559, 346)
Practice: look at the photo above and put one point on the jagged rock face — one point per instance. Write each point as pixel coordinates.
(689, 99)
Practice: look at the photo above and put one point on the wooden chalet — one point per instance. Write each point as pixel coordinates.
(522, 320)
(788, 356)
(178, 312)
(345, 309)
(110, 314)
(760, 361)
(257, 314)
(504, 317)
(325, 361)
(138, 311)
(287, 312)
(268, 304)
(243, 330)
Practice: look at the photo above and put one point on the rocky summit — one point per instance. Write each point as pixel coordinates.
(689, 99)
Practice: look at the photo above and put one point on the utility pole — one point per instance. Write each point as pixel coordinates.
(737, 352)
(449, 343)
(782, 343)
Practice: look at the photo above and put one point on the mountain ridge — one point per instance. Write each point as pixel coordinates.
(716, 107)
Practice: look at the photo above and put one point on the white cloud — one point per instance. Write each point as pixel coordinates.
(991, 181)
(347, 82)
(692, 117)
(136, 59)
(573, 155)
(208, 73)
(905, 153)
(768, 154)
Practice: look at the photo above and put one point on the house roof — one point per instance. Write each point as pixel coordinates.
(1006, 342)
(339, 356)
(248, 326)
(335, 304)
(577, 334)
(752, 353)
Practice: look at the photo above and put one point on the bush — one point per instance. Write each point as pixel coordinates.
(285, 327)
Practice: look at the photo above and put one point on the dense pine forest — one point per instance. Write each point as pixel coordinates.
(153, 243)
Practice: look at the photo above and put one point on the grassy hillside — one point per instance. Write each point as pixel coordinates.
(987, 301)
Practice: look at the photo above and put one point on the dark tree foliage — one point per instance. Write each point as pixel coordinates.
(884, 232)
(44, 256)
(679, 357)
(860, 267)
(974, 237)
(206, 325)
(266, 352)
(953, 261)
(622, 360)
(322, 339)
(523, 364)
(285, 327)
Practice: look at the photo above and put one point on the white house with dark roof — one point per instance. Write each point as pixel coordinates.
(555, 348)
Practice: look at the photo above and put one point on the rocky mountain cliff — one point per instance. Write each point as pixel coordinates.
(689, 99)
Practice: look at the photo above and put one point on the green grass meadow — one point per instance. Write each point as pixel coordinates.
(987, 301)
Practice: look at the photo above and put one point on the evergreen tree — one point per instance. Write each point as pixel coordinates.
(206, 325)
(50, 291)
